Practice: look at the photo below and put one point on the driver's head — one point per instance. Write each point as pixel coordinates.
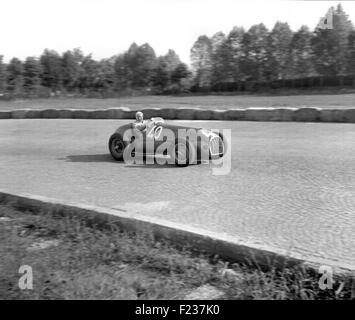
(139, 116)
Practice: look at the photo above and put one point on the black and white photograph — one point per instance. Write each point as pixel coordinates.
(177, 154)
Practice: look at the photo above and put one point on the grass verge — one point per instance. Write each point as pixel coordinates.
(72, 260)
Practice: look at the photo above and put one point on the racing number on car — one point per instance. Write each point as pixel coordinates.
(155, 132)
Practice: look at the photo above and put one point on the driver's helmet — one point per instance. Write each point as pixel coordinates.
(139, 116)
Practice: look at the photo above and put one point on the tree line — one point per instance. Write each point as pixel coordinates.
(280, 57)
(243, 60)
(135, 71)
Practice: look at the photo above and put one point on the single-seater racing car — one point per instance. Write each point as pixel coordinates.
(179, 144)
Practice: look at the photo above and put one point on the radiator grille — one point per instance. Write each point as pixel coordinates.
(216, 146)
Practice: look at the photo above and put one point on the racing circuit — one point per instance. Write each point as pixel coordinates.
(291, 185)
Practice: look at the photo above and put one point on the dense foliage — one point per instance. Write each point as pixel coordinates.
(243, 60)
(256, 58)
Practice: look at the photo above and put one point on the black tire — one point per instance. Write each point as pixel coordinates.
(116, 146)
(225, 146)
(186, 152)
(224, 141)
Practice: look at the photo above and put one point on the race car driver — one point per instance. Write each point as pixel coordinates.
(139, 124)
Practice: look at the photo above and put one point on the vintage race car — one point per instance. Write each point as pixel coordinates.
(179, 144)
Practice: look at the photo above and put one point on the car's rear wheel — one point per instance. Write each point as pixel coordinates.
(183, 153)
(116, 146)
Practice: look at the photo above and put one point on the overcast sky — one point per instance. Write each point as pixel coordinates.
(108, 27)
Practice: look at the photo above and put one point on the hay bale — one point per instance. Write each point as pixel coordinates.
(349, 115)
(80, 114)
(306, 115)
(99, 114)
(116, 113)
(217, 114)
(168, 113)
(19, 114)
(258, 114)
(269, 114)
(51, 113)
(203, 115)
(235, 114)
(33, 114)
(331, 115)
(128, 113)
(283, 114)
(65, 114)
(186, 114)
(5, 114)
(152, 113)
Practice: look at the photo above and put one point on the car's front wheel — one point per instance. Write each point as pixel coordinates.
(218, 146)
(116, 146)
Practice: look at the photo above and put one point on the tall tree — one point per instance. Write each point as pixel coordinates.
(160, 74)
(330, 44)
(51, 64)
(89, 73)
(279, 54)
(219, 52)
(216, 41)
(232, 53)
(254, 57)
(31, 75)
(2, 76)
(201, 59)
(106, 75)
(165, 65)
(172, 60)
(180, 72)
(71, 68)
(301, 54)
(14, 79)
(138, 64)
(146, 63)
(351, 54)
(122, 73)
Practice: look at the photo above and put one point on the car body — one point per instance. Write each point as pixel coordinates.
(183, 145)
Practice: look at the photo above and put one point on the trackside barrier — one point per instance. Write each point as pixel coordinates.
(302, 114)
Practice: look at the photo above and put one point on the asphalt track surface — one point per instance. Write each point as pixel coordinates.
(291, 185)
